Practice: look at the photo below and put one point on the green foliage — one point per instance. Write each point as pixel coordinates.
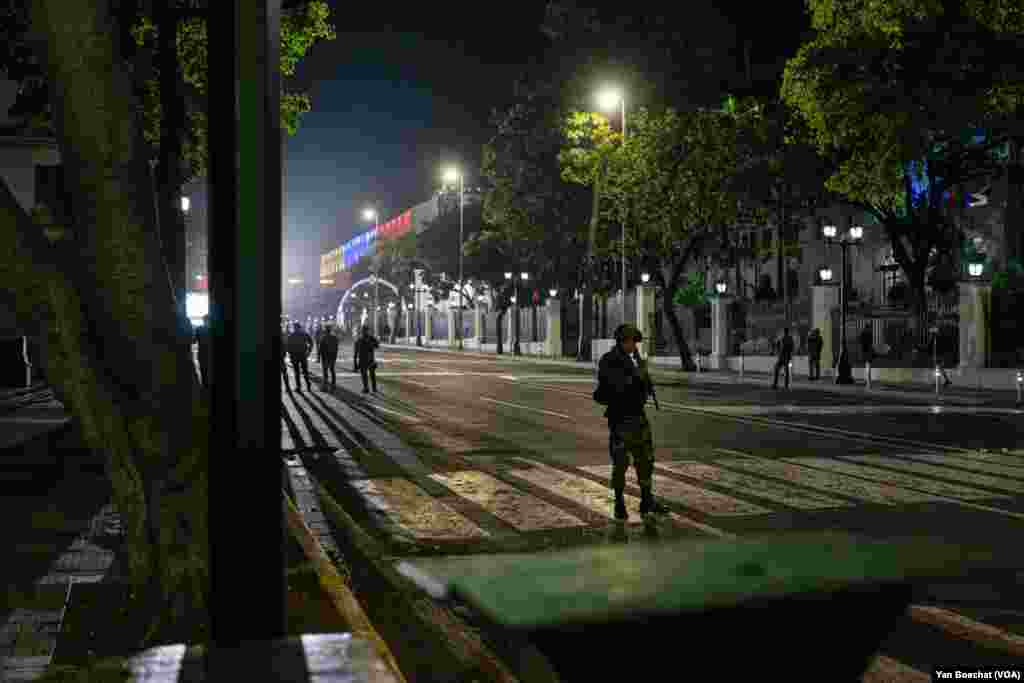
(694, 293)
(885, 86)
(299, 32)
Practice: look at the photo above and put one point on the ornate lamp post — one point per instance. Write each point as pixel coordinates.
(844, 375)
(515, 300)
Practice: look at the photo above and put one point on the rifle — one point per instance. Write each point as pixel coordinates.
(642, 364)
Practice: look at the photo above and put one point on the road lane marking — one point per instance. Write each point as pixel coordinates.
(786, 494)
(986, 466)
(710, 503)
(417, 512)
(831, 482)
(815, 430)
(985, 480)
(522, 407)
(521, 510)
(889, 477)
(407, 418)
(887, 670)
(961, 627)
(421, 384)
(594, 496)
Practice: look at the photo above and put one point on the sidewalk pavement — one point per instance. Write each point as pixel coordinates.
(957, 395)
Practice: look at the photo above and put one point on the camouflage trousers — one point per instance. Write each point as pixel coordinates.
(631, 436)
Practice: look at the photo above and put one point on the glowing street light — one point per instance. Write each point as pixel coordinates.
(976, 269)
(645, 278)
(185, 203)
(607, 100)
(844, 374)
(825, 274)
(451, 176)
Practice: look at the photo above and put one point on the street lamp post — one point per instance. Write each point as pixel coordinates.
(608, 99)
(844, 375)
(515, 300)
(372, 215)
(451, 176)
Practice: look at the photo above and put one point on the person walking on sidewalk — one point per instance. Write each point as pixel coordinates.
(623, 388)
(785, 356)
(329, 355)
(300, 344)
(367, 364)
(814, 346)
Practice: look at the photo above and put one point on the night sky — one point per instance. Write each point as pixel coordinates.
(401, 93)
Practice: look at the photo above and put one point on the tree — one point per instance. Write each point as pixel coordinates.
(487, 257)
(538, 214)
(669, 180)
(915, 101)
(168, 66)
(97, 293)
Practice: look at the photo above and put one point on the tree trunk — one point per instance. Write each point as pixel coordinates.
(587, 301)
(114, 346)
(685, 355)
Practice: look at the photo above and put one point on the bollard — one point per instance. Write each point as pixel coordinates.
(1020, 384)
(789, 374)
(741, 366)
(867, 375)
(938, 374)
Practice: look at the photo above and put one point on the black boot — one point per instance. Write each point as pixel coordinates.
(649, 506)
(620, 505)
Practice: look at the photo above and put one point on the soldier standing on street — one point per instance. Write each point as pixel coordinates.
(329, 355)
(624, 386)
(814, 346)
(365, 347)
(785, 356)
(299, 346)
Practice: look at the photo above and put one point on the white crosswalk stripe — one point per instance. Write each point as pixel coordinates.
(869, 492)
(695, 497)
(780, 493)
(417, 512)
(594, 496)
(998, 483)
(521, 510)
(975, 465)
(896, 478)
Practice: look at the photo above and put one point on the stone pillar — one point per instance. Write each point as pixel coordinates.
(975, 308)
(478, 323)
(510, 336)
(645, 318)
(428, 320)
(824, 298)
(392, 324)
(410, 332)
(720, 331)
(553, 341)
(452, 318)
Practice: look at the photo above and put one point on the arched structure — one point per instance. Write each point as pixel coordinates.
(340, 314)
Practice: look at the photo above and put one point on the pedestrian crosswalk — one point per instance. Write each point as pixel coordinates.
(531, 496)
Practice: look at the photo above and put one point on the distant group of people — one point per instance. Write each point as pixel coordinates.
(297, 345)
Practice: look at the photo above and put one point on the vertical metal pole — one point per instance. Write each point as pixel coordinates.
(515, 349)
(245, 288)
(461, 285)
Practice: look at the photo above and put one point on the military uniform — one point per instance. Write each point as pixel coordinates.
(629, 433)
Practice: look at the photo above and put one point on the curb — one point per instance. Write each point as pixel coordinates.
(333, 584)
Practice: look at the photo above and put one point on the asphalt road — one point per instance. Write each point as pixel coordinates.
(514, 456)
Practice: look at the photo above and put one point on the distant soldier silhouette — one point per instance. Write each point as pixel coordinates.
(300, 344)
(329, 355)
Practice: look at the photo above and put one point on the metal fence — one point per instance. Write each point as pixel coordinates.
(439, 324)
(1005, 316)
